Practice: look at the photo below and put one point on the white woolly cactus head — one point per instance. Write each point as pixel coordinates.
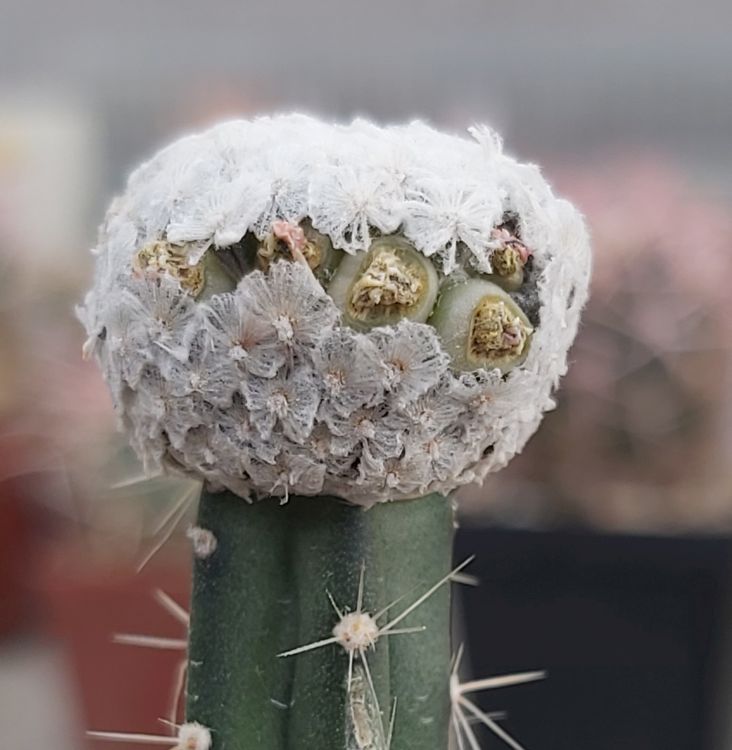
(285, 306)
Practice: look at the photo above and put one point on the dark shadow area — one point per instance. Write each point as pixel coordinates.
(627, 627)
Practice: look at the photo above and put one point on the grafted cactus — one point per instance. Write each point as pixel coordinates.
(333, 327)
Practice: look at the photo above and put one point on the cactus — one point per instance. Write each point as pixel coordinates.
(268, 584)
(340, 325)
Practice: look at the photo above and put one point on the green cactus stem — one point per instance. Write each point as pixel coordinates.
(265, 590)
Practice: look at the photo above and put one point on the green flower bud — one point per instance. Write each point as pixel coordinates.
(390, 282)
(508, 267)
(286, 240)
(481, 326)
(508, 258)
(201, 280)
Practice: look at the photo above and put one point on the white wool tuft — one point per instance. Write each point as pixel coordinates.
(193, 736)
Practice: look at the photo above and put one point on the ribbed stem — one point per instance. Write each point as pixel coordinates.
(265, 590)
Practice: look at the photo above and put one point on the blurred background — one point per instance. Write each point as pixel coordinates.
(604, 550)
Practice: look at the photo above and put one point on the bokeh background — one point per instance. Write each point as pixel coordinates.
(604, 550)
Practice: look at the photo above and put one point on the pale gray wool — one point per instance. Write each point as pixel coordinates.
(261, 390)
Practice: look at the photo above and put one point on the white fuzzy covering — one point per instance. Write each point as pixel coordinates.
(269, 420)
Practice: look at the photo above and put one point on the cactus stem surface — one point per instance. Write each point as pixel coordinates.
(331, 576)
